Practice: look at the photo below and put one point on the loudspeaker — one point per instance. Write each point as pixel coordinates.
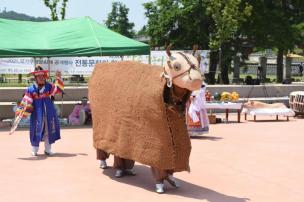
(286, 81)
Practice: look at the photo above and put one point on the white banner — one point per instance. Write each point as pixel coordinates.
(83, 65)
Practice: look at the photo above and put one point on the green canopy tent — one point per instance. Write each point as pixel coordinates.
(66, 38)
(75, 37)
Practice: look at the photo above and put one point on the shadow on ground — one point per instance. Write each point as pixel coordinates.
(270, 120)
(204, 137)
(144, 180)
(60, 155)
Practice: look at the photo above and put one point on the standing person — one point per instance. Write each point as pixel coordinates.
(301, 69)
(259, 74)
(44, 123)
(196, 115)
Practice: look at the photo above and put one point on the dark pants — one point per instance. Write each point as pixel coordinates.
(102, 155)
(123, 164)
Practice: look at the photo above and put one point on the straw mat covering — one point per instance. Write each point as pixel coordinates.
(131, 120)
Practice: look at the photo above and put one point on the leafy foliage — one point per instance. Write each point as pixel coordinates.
(228, 16)
(118, 20)
(180, 22)
(52, 5)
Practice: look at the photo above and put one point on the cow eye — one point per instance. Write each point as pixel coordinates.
(177, 66)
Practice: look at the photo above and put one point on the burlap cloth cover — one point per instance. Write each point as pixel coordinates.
(130, 118)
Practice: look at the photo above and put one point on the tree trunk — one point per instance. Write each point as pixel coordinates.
(210, 77)
(225, 62)
(280, 65)
(19, 78)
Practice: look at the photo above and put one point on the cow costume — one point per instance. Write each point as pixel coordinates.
(138, 114)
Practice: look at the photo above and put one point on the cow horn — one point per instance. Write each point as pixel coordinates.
(168, 50)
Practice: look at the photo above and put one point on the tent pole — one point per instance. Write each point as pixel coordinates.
(34, 58)
(49, 65)
(149, 57)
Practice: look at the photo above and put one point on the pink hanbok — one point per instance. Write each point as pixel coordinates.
(79, 113)
(196, 113)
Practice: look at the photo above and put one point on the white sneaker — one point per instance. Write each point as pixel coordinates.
(119, 173)
(103, 164)
(172, 181)
(34, 154)
(49, 153)
(159, 188)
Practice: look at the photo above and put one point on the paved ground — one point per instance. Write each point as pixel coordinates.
(260, 162)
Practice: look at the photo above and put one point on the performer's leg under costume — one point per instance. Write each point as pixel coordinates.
(123, 164)
(47, 145)
(101, 155)
(160, 175)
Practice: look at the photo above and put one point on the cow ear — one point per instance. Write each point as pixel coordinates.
(199, 58)
(194, 49)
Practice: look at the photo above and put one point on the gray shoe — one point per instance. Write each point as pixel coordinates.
(172, 181)
(103, 164)
(34, 154)
(130, 172)
(159, 188)
(119, 173)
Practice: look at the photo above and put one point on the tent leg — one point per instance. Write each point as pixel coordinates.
(150, 58)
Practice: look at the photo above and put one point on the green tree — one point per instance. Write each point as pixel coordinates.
(182, 23)
(52, 5)
(228, 16)
(118, 20)
(142, 31)
(275, 25)
(211, 24)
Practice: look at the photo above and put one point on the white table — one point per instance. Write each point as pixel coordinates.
(226, 106)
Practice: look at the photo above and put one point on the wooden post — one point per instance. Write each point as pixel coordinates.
(287, 69)
(236, 69)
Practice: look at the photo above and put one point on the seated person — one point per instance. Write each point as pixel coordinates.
(25, 122)
(81, 113)
(4, 124)
(62, 121)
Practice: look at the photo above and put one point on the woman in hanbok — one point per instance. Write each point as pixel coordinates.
(196, 115)
(81, 113)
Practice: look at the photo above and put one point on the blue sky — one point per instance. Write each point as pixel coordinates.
(96, 9)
